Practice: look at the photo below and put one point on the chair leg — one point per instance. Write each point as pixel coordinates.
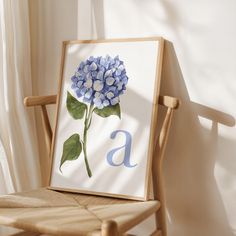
(161, 222)
(109, 228)
(157, 233)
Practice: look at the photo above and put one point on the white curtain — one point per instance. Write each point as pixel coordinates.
(19, 161)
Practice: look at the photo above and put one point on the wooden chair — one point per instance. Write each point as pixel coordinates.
(60, 213)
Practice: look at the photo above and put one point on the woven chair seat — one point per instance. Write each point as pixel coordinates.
(44, 210)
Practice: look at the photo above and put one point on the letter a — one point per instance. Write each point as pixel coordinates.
(126, 146)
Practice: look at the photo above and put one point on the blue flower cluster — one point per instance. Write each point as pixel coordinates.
(100, 81)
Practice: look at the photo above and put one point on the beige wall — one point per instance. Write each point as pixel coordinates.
(199, 67)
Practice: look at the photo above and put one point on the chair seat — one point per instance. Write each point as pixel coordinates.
(44, 210)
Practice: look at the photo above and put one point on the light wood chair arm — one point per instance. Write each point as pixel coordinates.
(40, 100)
(166, 101)
(169, 102)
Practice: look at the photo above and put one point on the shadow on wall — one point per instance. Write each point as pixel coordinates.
(193, 198)
(99, 26)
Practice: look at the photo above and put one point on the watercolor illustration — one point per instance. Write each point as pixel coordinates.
(97, 84)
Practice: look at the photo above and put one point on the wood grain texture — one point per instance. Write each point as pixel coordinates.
(40, 100)
(157, 171)
(112, 40)
(109, 228)
(47, 127)
(166, 101)
(60, 213)
(156, 233)
(169, 102)
(153, 127)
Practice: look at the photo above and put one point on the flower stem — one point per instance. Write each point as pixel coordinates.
(87, 123)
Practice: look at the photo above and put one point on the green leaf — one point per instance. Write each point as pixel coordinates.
(75, 108)
(108, 111)
(71, 149)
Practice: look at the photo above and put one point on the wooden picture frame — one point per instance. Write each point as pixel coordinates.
(150, 51)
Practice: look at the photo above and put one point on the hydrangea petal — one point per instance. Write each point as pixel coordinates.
(74, 79)
(86, 69)
(83, 91)
(97, 95)
(79, 83)
(106, 103)
(112, 88)
(97, 102)
(88, 83)
(88, 94)
(115, 100)
(100, 75)
(110, 95)
(78, 93)
(88, 76)
(108, 73)
(124, 79)
(110, 81)
(103, 62)
(94, 74)
(98, 85)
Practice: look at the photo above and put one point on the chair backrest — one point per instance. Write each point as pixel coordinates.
(168, 102)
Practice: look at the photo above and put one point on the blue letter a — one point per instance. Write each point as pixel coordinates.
(126, 146)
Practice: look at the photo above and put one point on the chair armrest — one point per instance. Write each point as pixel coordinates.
(40, 100)
(166, 101)
(170, 102)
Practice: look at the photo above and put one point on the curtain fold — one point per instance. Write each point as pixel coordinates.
(19, 159)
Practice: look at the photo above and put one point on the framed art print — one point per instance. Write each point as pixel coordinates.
(106, 117)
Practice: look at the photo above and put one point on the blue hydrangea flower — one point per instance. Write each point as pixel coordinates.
(100, 81)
